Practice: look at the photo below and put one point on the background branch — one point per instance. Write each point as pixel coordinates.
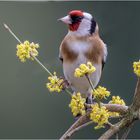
(136, 100)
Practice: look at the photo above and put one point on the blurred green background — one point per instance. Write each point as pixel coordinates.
(27, 109)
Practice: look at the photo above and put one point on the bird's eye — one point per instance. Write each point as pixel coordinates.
(76, 19)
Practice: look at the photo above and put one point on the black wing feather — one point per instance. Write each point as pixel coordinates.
(105, 57)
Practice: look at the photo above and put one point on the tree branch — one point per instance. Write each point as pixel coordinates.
(125, 122)
(113, 130)
(84, 120)
(136, 100)
(122, 109)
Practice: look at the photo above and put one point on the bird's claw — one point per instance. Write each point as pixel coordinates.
(77, 117)
(64, 83)
(89, 100)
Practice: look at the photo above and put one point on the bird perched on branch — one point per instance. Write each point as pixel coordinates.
(82, 44)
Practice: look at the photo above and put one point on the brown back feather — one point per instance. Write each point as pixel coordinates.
(67, 53)
(96, 52)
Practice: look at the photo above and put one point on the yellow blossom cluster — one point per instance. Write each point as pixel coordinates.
(77, 105)
(99, 115)
(136, 67)
(84, 69)
(116, 100)
(27, 50)
(101, 93)
(55, 84)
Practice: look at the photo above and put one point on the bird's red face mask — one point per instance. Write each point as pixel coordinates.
(74, 26)
(73, 19)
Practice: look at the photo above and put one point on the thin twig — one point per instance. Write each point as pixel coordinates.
(68, 92)
(91, 84)
(38, 61)
(136, 100)
(13, 34)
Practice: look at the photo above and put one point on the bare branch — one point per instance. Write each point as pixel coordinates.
(136, 100)
(116, 108)
(84, 120)
(113, 108)
(11, 32)
(125, 122)
(110, 132)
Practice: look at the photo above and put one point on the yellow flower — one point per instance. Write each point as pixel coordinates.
(55, 84)
(99, 115)
(136, 67)
(101, 93)
(116, 100)
(84, 69)
(26, 50)
(77, 104)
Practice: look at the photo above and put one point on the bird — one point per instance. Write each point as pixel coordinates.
(82, 44)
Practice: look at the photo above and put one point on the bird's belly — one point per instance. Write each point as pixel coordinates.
(80, 84)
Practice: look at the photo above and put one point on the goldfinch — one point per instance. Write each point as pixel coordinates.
(81, 44)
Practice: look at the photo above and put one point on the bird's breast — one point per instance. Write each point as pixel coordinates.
(79, 47)
(73, 50)
(76, 52)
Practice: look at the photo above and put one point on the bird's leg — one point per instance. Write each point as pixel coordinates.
(89, 99)
(77, 117)
(64, 83)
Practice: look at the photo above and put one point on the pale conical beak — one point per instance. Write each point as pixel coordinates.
(65, 19)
